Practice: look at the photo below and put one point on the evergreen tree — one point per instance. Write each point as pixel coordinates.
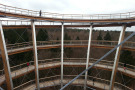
(67, 50)
(126, 57)
(107, 36)
(56, 49)
(99, 36)
(57, 38)
(21, 58)
(77, 38)
(16, 35)
(42, 35)
(66, 37)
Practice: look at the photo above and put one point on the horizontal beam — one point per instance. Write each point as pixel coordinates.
(66, 26)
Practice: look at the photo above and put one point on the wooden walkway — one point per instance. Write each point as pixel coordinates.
(6, 10)
(25, 70)
(27, 46)
(76, 82)
(56, 82)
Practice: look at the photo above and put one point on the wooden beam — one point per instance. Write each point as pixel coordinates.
(67, 26)
(5, 59)
(62, 52)
(117, 56)
(35, 55)
(88, 55)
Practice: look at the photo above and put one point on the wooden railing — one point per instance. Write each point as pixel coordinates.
(23, 22)
(69, 42)
(69, 77)
(20, 11)
(40, 23)
(82, 61)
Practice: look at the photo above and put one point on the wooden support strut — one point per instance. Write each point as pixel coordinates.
(62, 52)
(117, 56)
(5, 60)
(88, 55)
(35, 54)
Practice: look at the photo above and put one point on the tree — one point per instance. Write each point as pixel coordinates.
(57, 38)
(99, 36)
(16, 35)
(55, 50)
(21, 58)
(126, 57)
(67, 50)
(42, 35)
(77, 38)
(66, 37)
(107, 36)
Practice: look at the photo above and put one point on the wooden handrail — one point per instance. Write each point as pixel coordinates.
(81, 42)
(97, 16)
(70, 76)
(71, 59)
(24, 84)
(21, 64)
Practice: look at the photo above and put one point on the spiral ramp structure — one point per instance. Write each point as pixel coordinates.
(64, 72)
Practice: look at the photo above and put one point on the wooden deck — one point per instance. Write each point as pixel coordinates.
(10, 11)
(27, 46)
(103, 85)
(56, 82)
(25, 70)
(18, 15)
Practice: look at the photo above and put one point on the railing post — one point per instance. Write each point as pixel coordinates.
(62, 52)
(129, 14)
(5, 59)
(15, 10)
(35, 54)
(110, 16)
(5, 8)
(120, 15)
(117, 56)
(88, 54)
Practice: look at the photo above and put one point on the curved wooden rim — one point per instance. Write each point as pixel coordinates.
(70, 62)
(27, 46)
(31, 14)
(57, 76)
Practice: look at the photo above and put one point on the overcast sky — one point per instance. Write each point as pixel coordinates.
(75, 6)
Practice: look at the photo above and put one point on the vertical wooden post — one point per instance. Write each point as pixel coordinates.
(88, 54)
(35, 54)
(117, 56)
(62, 52)
(5, 59)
